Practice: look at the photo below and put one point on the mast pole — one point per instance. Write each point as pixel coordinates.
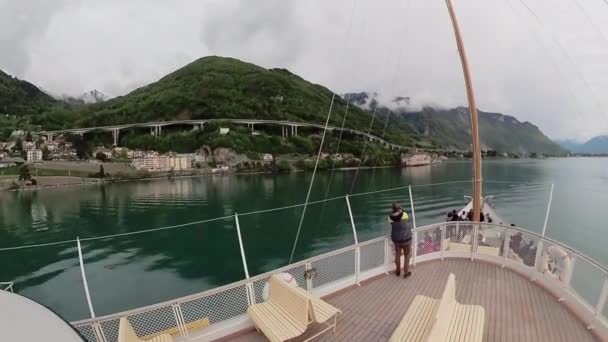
(474, 116)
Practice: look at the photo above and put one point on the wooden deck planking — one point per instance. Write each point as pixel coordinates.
(516, 309)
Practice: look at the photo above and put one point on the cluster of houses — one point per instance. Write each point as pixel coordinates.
(34, 152)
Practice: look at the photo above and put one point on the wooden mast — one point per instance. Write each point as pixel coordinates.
(473, 110)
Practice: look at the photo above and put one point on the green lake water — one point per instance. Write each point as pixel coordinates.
(136, 270)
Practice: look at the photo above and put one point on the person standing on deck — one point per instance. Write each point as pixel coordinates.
(401, 235)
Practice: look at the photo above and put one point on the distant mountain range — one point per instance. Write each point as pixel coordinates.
(451, 128)
(218, 87)
(595, 145)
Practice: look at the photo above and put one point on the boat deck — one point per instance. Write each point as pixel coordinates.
(516, 308)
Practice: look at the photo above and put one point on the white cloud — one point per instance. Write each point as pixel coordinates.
(537, 70)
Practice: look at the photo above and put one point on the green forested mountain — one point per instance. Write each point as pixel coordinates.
(503, 133)
(218, 87)
(24, 106)
(21, 98)
(451, 128)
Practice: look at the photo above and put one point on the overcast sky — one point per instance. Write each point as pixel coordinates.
(550, 69)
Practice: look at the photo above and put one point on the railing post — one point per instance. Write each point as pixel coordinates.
(601, 302)
(84, 279)
(357, 248)
(474, 238)
(506, 247)
(441, 246)
(415, 237)
(309, 283)
(539, 246)
(568, 276)
(179, 319)
(386, 254)
(548, 211)
(249, 285)
(99, 334)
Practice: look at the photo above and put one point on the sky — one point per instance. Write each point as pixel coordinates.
(540, 61)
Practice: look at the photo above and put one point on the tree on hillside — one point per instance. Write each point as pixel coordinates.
(28, 136)
(24, 173)
(18, 146)
(102, 172)
(101, 156)
(39, 142)
(46, 153)
(80, 145)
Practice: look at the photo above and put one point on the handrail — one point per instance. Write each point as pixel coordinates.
(8, 284)
(323, 256)
(584, 256)
(222, 288)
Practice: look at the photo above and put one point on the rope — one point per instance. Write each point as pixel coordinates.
(314, 171)
(352, 186)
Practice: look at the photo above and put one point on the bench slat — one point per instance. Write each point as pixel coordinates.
(435, 320)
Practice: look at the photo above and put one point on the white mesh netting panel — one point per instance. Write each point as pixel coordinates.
(87, 332)
(522, 248)
(216, 307)
(372, 255)
(154, 321)
(587, 281)
(110, 329)
(297, 273)
(428, 240)
(491, 240)
(335, 267)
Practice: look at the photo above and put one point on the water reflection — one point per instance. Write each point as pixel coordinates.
(182, 261)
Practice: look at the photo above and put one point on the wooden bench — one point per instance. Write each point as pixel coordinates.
(433, 320)
(190, 327)
(127, 334)
(320, 311)
(288, 312)
(284, 315)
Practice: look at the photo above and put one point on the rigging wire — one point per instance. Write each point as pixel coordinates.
(314, 171)
(334, 159)
(551, 58)
(333, 165)
(352, 186)
(405, 8)
(563, 50)
(103, 237)
(591, 22)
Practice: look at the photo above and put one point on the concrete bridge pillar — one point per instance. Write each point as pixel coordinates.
(115, 135)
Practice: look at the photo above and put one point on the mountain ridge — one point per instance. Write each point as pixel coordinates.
(595, 145)
(221, 87)
(450, 128)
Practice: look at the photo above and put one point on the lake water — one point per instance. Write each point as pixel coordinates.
(135, 270)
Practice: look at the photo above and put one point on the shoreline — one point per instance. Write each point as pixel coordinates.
(99, 181)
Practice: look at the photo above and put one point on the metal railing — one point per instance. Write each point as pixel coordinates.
(6, 286)
(508, 246)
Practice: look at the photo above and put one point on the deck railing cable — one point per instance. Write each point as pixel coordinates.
(261, 211)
